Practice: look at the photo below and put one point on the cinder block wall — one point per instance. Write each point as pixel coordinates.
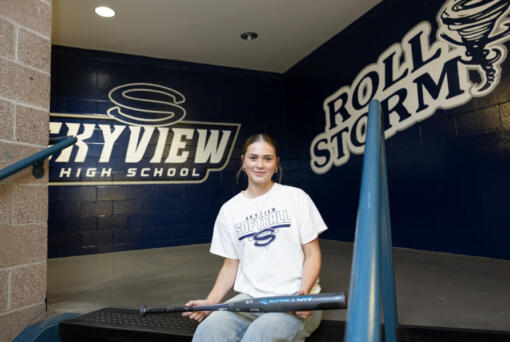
(25, 32)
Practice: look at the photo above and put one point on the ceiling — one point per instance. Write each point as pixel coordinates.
(207, 31)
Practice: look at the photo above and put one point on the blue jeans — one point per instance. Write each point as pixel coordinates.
(225, 326)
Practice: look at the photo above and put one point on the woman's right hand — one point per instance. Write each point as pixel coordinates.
(197, 315)
(224, 283)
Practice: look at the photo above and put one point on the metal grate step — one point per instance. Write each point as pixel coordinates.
(114, 324)
(126, 325)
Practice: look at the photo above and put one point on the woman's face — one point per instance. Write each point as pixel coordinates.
(260, 162)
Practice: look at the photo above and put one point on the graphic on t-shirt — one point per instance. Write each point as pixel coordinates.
(262, 227)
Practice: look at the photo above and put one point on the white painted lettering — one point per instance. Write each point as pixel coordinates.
(136, 150)
(209, 150)
(109, 139)
(174, 155)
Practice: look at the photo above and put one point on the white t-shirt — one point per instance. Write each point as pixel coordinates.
(266, 235)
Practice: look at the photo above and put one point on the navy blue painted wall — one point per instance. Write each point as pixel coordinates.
(448, 175)
(105, 218)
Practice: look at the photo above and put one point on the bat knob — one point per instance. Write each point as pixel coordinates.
(143, 311)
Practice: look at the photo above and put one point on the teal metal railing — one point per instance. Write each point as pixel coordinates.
(372, 273)
(37, 159)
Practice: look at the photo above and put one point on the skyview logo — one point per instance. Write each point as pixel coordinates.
(134, 143)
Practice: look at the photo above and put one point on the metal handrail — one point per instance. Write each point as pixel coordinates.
(372, 273)
(60, 144)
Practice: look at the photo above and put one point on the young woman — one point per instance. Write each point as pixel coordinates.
(267, 235)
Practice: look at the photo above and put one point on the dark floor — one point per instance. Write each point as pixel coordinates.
(433, 289)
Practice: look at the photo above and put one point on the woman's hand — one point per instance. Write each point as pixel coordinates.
(303, 314)
(224, 282)
(311, 269)
(197, 315)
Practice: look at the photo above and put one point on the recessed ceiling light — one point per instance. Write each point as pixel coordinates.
(249, 35)
(104, 11)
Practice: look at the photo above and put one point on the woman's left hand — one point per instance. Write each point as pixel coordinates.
(304, 314)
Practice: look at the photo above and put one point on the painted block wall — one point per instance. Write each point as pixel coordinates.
(447, 170)
(88, 219)
(448, 173)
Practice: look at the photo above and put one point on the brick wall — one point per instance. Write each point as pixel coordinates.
(25, 32)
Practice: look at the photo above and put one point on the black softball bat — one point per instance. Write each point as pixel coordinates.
(321, 301)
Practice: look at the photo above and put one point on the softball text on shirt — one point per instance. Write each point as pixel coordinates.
(263, 226)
